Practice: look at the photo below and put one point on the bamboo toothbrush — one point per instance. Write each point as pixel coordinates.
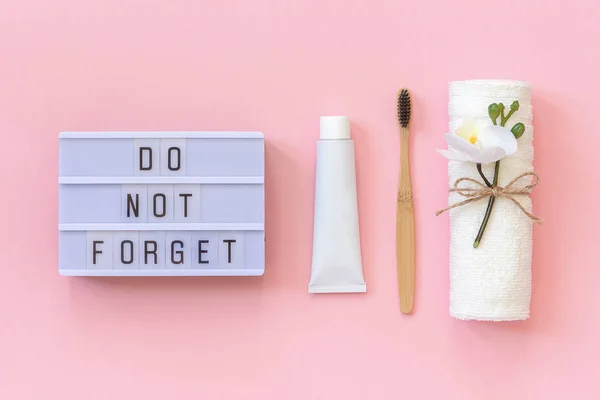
(405, 219)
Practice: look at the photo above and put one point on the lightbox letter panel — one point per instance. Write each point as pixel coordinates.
(161, 204)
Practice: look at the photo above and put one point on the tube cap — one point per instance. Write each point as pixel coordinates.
(335, 127)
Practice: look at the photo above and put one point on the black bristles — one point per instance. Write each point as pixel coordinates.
(403, 108)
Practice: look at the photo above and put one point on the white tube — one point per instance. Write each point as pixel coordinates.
(336, 262)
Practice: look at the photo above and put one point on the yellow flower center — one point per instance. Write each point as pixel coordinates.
(469, 131)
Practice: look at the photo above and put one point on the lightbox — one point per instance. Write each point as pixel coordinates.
(161, 204)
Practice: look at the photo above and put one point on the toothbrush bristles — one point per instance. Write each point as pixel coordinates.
(403, 108)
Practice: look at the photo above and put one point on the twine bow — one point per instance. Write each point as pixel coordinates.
(507, 192)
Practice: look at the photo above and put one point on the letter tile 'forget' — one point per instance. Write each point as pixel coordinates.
(125, 250)
(179, 250)
(152, 250)
(99, 250)
(205, 249)
(231, 249)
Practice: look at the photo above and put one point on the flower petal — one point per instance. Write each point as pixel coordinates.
(452, 154)
(497, 136)
(461, 145)
(490, 155)
(467, 128)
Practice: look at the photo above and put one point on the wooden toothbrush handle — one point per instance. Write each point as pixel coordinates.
(405, 232)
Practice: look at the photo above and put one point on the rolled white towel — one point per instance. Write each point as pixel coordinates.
(491, 282)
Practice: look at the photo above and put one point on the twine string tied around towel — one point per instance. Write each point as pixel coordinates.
(481, 191)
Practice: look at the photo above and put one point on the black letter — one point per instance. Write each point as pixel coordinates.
(164, 205)
(146, 251)
(229, 241)
(185, 196)
(97, 251)
(179, 252)
(178, 158)
(123, 251)
(149, 167)
(200, 252)
(131, 206)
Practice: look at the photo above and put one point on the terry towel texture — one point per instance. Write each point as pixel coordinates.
(492, 282)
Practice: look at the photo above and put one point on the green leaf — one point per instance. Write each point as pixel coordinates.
(518, 130)
(514, 106)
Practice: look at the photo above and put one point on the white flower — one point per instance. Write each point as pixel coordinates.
(479, 144)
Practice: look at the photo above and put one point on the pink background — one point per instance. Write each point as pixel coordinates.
(276, 66)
